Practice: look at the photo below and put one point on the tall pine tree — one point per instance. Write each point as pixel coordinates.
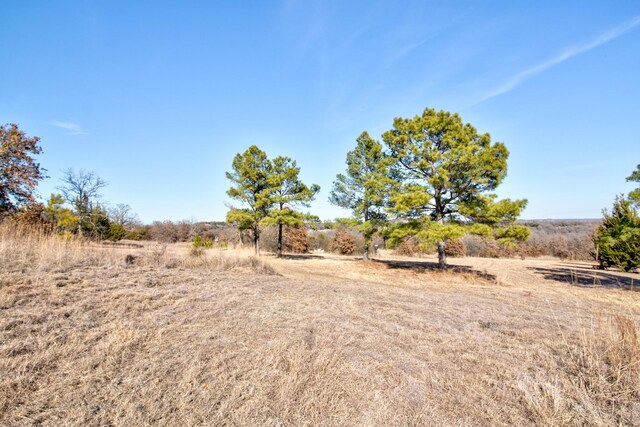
(287, 193)
(250, 177)
(365, 187)
(445, 168)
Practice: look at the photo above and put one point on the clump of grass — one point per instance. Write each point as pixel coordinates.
(601, 384)
(607, 361)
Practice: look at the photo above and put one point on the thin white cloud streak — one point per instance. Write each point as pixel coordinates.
(71, 128)
(569, 53)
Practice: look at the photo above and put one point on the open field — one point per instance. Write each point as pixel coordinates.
(224, 339)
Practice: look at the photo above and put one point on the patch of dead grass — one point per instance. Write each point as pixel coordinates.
(174, 339)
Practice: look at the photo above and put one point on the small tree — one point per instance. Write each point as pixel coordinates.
(617, 238)
(365, 187)
(250, 176)
(444, 167)
(62, 219)
(19, 172)
(82, 189)
(97, 224)
(287, 192)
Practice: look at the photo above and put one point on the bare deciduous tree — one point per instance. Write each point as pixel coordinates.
(123, 215)
(81, 190)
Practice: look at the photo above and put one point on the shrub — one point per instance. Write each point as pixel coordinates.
(474, 245)
(491, 249)
(320, 240)
(133, 235)
(116, 232)
(343, 242)
(406, 248)
(455, 248)
(296, 240)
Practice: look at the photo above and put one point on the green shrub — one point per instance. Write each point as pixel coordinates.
(617, 239)
(116, 232)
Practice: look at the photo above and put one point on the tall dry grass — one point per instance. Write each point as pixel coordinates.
(595, 381)
(23, 247)
(607, 361)
(87, 339)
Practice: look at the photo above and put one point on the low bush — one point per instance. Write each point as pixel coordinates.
(406, 248)
(455, 248)
(343, 242)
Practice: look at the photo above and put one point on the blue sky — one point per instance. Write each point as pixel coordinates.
(157, 97)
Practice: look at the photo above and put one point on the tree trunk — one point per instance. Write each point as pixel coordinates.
(256, 240)
(365, 252)
(442, 256)
(279, 252)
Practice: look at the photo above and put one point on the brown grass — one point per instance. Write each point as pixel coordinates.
(176, 339)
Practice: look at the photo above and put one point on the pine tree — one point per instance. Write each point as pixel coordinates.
(250, 176)
(365, 187)
(287, 192)
(634, 195)
(445, 167)
(617, 238)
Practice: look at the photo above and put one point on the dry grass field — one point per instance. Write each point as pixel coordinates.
(308, 340)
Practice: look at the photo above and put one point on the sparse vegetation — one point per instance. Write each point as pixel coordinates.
(95, 334)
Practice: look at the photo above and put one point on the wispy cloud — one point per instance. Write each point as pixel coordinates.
(71, 128)
(569, 53)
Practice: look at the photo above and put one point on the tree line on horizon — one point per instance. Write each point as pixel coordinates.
(429, 179)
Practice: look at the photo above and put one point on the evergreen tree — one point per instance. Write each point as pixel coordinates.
(445, 166)
(617, 238)
(287, 192)
(250, 177)
(365, 187)
(62, 219)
